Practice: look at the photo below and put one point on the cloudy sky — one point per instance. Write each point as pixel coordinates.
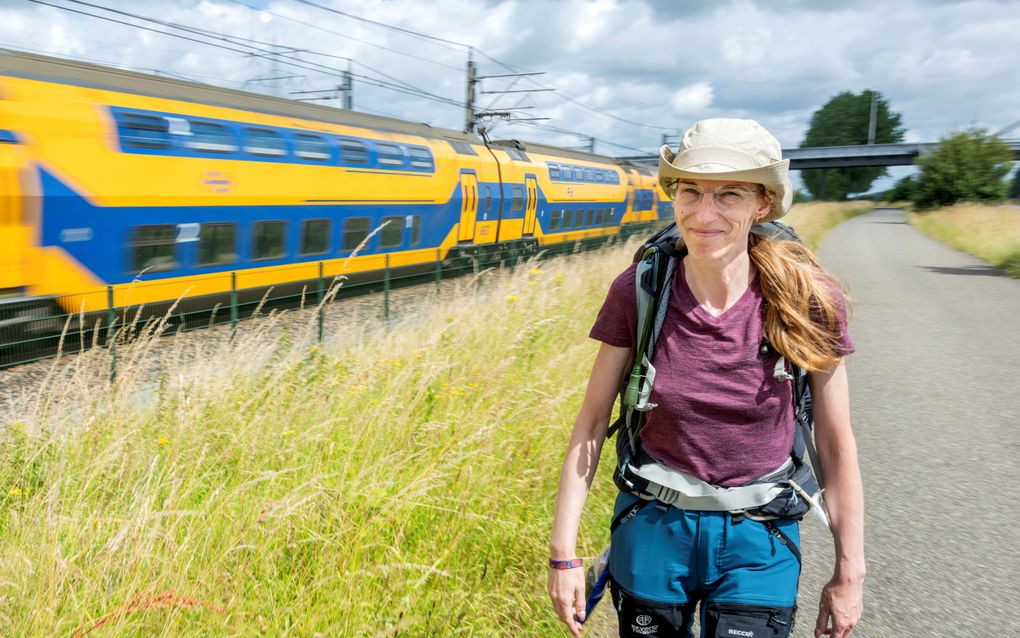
(625, 72)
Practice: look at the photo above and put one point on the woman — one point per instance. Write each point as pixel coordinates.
(724, 415)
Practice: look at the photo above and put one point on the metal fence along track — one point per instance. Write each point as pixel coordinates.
(37, 328)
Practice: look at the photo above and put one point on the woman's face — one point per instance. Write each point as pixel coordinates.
(714, 216)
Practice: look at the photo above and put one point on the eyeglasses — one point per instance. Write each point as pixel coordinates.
(725, 197)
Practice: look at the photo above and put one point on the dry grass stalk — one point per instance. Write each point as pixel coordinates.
(145, 601)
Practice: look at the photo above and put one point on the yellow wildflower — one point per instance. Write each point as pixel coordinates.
(15, 491)
(162, 441)
(513, 298)
(536, 271)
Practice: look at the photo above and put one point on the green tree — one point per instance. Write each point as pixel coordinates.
(843, 121)
(968, 166)
(903, 191)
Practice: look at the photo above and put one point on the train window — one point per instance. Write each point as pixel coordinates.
(554, 171)
(217, 244)
(355, 232)
(392, 233)
(566, 174)
(516, 154)
(599, 216)
(353, 151)
(210, 137)
(153, 248)
(315, 236)
(312, 147)
(268, 240)
(421, 157)
(416, 230)
(517, 199)
(265, 142)
(488, 199)
(143, 131)
(462, 147)
(566, 219)
(389, 154)
(578, 218)
(589, 175)
(554, 220)
(590, 219)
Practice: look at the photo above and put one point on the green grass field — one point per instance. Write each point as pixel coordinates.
(990, 233)
(394, 482)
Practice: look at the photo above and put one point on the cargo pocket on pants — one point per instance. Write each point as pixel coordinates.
(735, 620)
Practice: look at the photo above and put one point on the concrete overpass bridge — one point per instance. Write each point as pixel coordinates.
(848, 156)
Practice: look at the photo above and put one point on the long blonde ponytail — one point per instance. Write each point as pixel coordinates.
(804, 303)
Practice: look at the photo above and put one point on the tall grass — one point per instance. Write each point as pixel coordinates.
(395, 481)
(990, 233)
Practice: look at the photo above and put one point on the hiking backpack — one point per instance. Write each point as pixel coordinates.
(790, 492)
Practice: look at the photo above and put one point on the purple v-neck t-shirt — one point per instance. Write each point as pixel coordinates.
(722, 415)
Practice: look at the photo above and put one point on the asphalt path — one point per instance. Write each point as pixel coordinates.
(934, 391)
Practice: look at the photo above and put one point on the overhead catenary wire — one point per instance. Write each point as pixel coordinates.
(384, 25)
(251, 50)
(395, 84)
(483, 54)
(376, 45)
(557, 129)
(233, 39)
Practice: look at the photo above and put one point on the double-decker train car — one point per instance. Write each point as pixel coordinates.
(110, 178)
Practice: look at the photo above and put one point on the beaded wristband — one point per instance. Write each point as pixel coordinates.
(565, 564)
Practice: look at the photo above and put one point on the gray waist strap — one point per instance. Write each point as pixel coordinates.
(689, 492)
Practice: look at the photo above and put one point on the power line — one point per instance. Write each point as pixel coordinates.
(344, 35)
(505, 65)
(399, 86)
(118, 65)
(384, 25)
(403, 87)
(568, 132)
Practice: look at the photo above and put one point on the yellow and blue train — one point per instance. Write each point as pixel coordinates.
(109, 178)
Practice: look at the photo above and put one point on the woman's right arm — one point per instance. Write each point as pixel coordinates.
(566, 587)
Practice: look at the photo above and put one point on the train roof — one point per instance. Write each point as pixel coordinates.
(28, 65)
(555, 150)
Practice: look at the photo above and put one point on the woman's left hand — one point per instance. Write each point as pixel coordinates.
(840, 606)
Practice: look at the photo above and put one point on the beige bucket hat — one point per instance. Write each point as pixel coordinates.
(723, 149)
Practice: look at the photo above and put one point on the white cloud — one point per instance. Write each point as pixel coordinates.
(692, 100)
(659, 63)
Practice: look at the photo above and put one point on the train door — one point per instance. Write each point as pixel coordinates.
(531, 207)
(16, 234)
(468, 207)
